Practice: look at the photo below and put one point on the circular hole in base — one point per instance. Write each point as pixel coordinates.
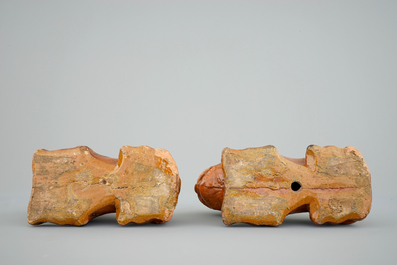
(295, 186)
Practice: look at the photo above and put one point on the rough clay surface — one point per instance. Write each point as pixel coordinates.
(259, 186)
(73, 186)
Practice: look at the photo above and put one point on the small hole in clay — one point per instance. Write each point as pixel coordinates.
(295, 186)
(104, 182)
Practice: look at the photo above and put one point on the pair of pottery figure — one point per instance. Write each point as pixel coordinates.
(254, 185)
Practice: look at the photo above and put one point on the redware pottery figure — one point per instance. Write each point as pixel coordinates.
(73, 186)
(260, 187)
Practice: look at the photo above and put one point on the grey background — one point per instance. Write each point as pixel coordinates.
(194, 77)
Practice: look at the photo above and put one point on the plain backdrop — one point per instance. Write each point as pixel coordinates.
(194, 77)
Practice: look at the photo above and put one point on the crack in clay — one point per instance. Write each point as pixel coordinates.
(254, 188)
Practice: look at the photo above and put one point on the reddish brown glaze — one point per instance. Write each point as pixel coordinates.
(210, 187)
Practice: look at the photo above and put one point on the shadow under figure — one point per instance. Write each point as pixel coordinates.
(260, 187)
